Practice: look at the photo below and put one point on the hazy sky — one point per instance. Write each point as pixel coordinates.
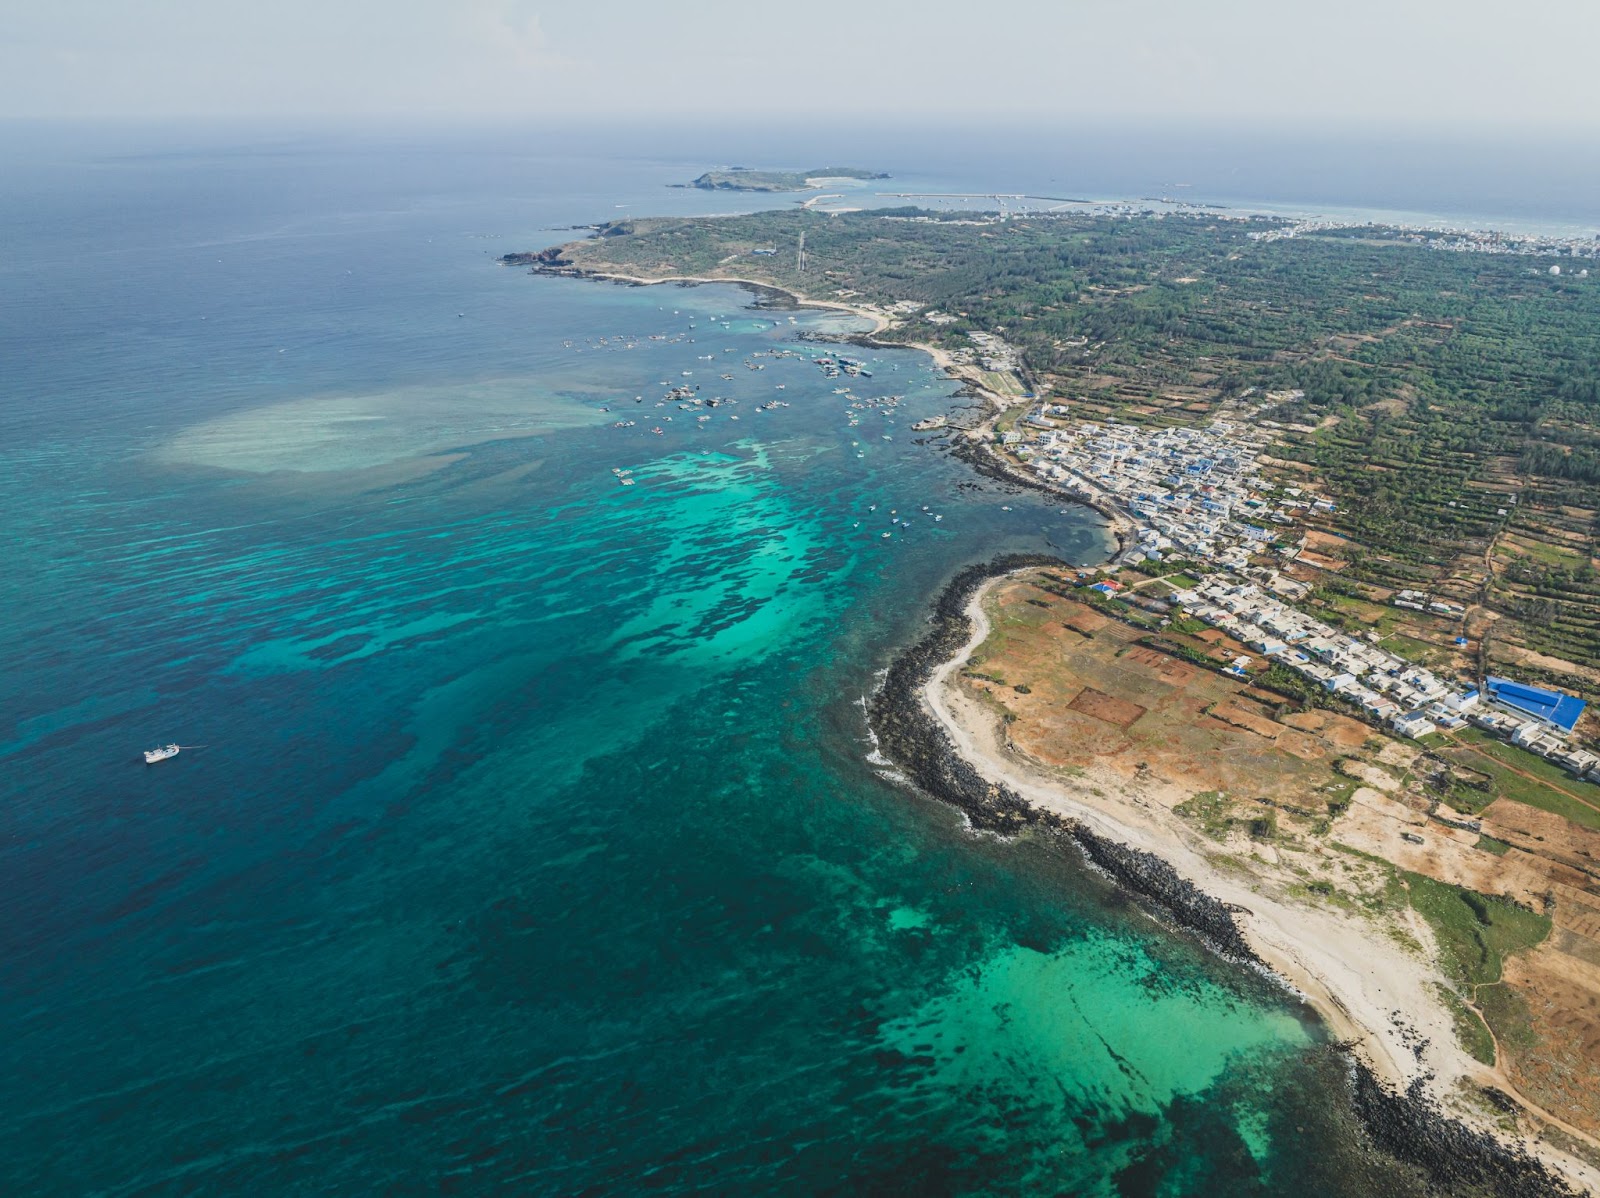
(1422, 62)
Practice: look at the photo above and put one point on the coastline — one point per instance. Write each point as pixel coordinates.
(567, 270)
(1398, 1039)
(1374, 998)
(966, 445)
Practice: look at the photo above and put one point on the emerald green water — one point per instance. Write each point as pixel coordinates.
(531, 841)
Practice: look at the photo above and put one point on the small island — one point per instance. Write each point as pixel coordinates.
(739, 178)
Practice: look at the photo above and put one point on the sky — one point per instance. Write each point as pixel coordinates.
(1420, 64)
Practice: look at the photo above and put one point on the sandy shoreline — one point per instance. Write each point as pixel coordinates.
(880, 321)
(1376, 996)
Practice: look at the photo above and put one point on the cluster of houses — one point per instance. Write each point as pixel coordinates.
(1194, 491)
(988, 351)
(1197, 493)
(1457, 240)
(1422, 601)
(1411, 700)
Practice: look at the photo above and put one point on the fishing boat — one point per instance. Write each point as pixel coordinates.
(151, 756)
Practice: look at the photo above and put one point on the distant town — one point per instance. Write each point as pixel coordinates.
(1456, 240)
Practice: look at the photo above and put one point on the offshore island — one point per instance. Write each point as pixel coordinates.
(1329, 705)
(744, 178)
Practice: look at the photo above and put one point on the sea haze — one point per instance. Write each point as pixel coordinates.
(526, 838)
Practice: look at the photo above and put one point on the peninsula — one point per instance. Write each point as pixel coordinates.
(1338, 677)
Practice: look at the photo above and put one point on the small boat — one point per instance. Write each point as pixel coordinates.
(1005, 509)
(885, 534)
(151, 756)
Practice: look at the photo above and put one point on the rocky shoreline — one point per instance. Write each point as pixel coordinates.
(978, 456)
(1408, 1126)
(910, 736)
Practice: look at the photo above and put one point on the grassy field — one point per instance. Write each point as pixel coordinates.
(1550, 788)
(1475, 932)
(1471, 1030)
(1412, 649)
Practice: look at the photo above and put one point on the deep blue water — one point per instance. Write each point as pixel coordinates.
(528, 840)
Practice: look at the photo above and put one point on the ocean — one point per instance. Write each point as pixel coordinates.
(528, 836)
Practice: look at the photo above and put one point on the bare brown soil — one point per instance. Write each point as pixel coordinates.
(1098, 702)
(1119, 713)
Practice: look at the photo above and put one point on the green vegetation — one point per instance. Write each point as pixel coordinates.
(1450, 406)
(1517, 774)
(1209, 810)
(1412, 649)
(1475, 931)
(1471, 1032)
(1490, 844)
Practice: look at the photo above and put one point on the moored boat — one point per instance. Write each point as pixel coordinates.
(151, 756)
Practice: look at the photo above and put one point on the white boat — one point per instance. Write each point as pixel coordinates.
(151, 756)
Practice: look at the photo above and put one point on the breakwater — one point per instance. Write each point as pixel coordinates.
(912, 737)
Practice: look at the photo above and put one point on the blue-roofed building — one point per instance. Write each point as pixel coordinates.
(1552, 707)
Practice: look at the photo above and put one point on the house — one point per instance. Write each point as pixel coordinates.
(1579, 761)
(1380, 708)
(1552, 708)
(1414, 725)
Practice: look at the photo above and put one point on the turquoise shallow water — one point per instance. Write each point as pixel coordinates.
(530, 841)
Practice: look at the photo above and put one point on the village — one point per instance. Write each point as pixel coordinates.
(1198, 494)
